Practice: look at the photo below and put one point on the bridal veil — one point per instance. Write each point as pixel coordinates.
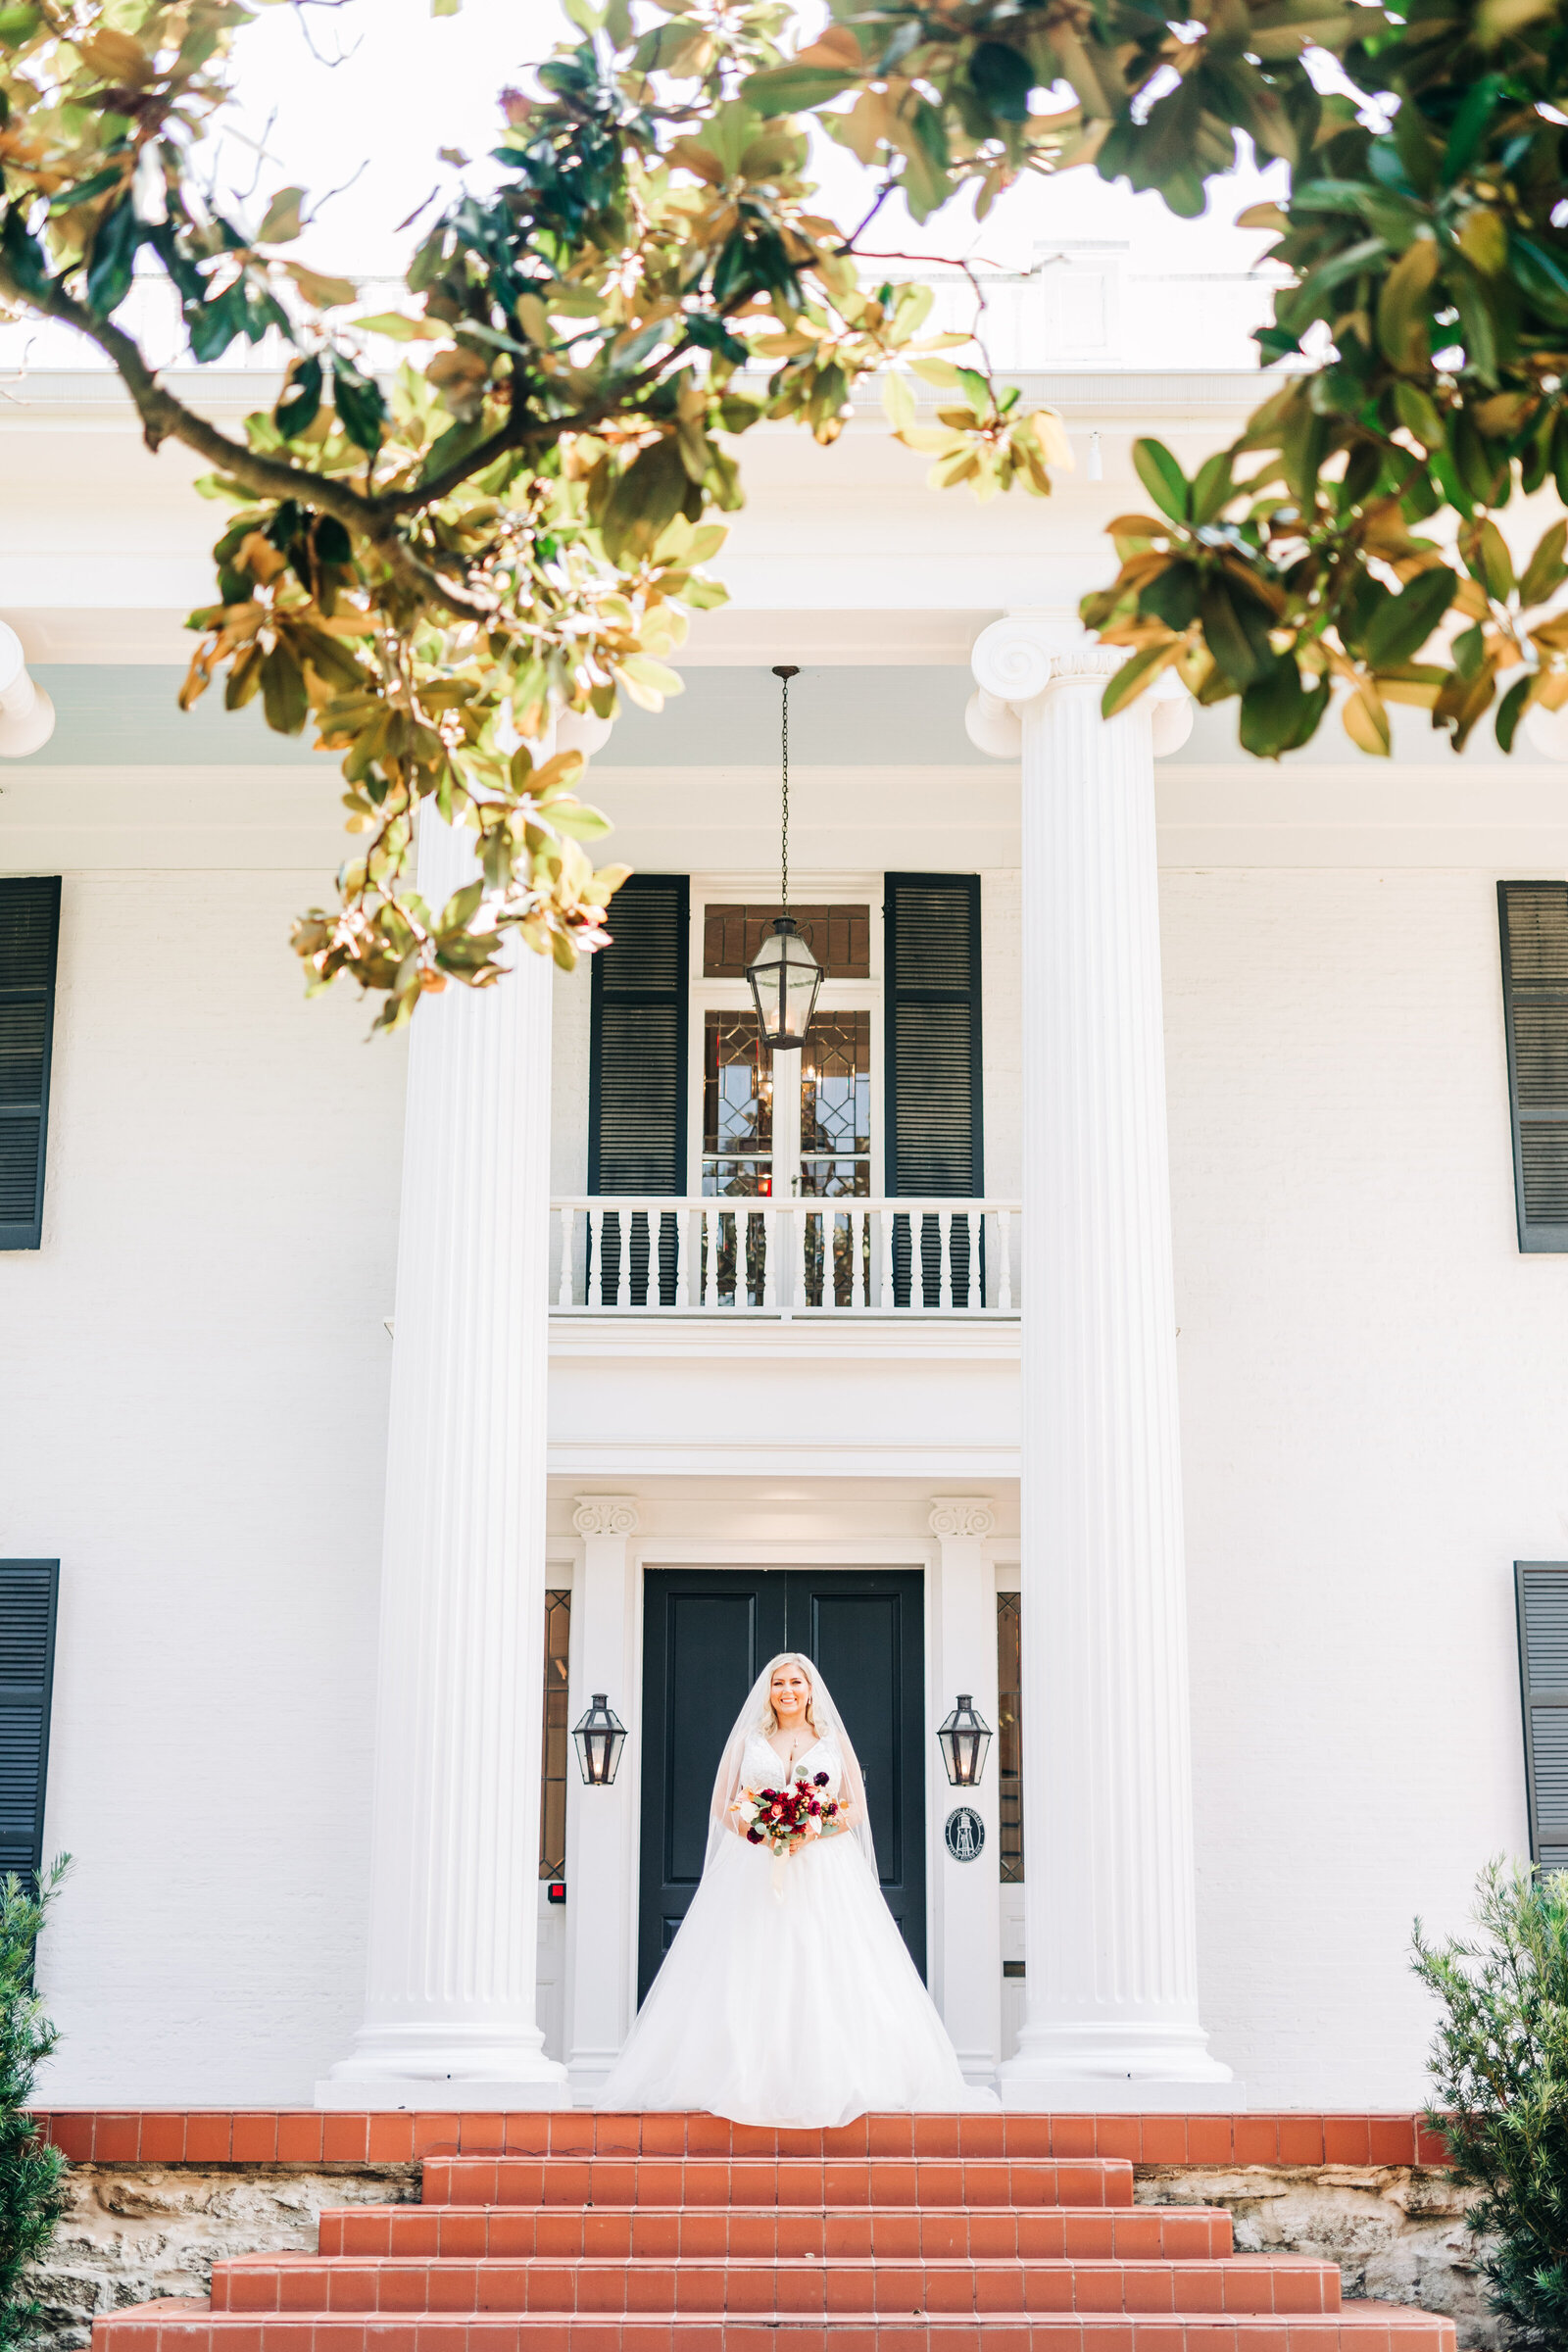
(755, 1720)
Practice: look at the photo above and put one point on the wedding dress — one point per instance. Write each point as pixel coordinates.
(788, 1995)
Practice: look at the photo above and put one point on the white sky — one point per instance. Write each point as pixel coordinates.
(411, 85)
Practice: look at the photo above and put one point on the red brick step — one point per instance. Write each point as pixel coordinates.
(772, 2180)
(268, 2283)
(183, 2327)
(933, 2233)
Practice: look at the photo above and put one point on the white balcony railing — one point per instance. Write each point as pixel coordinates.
(785, 1258)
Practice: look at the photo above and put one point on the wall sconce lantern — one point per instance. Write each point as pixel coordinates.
(964, 1739)
(784, 975)
(600, 1739)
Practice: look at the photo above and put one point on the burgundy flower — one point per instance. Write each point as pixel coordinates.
(814, 1807)
(820, 1780)
(753, 1837)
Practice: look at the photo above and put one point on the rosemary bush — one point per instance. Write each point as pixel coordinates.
(32, 2194)
(1499, 2068)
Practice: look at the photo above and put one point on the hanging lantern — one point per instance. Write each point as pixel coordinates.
(964, 1739)
(784, 975)
(600, 1739)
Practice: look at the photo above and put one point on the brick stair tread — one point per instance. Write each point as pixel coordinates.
(183, 2327)
(349, 2287)
(1038, 2233)
(776, 2180)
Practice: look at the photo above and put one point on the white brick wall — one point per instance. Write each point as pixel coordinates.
(1374, 1390)
(192, 1407)
(192, 1399)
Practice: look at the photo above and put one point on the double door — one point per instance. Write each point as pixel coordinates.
(707, 1636)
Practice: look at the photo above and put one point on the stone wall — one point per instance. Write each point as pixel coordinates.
(1398, 2231)
(136, 2231)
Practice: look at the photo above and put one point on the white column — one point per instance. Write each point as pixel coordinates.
(1111, 1950)
(601, 1824)
(970, 1910)
(451, 2009)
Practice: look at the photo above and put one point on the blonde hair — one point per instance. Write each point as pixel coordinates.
(791, 1657)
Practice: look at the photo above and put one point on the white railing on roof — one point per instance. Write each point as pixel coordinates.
(783, 1258)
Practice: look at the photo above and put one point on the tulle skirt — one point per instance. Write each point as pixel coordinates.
(788, 1998)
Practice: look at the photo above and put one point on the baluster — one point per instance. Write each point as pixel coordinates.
(944, 1263)
(566, 1225)
(593, 1260)
(860, 1288)
(768, 1221)
(1004, 1261)
(683, 1238)
(624, 1258)
(887, 1297)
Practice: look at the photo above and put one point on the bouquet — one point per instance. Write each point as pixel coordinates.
(775, 1817)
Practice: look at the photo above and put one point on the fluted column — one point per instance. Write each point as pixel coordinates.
(450, 2007)
(1109, 1944)
(600, 1826)
(970, 1910)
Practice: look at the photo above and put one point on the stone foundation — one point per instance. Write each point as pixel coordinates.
(1398, 2231)
(136, 2231)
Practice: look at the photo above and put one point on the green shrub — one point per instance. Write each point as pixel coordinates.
(1499, 2067)
(32, 2194)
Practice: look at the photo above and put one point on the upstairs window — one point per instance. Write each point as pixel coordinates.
(1532, 918)
(30, 937)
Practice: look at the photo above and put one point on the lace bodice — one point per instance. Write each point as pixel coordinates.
(763, 1768)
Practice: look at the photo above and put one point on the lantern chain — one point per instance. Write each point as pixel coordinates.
(784, 671)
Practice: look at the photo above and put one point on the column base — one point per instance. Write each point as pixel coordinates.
(443, 2095)
(1120, 2069)
(1118, 2094)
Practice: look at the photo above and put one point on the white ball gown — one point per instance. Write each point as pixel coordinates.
(788, 1995)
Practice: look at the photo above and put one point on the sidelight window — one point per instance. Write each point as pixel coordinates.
(556, 1737)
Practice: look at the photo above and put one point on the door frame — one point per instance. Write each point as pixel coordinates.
(858, 1553)
(915, 1855)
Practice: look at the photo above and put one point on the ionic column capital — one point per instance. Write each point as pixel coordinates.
(1024, 656)
(962, 1515)
(605, 1515)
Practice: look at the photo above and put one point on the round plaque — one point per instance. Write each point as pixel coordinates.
(965, 1834)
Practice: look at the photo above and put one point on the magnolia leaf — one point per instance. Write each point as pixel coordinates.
(281, 222)
(1402, 305)
(1546, 572)
(324, 293)
(1162, 479)
(897, 402)
(646, 681)
(1366, 721)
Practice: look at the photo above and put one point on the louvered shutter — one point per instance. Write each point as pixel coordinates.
(1542, 1587)
(637, 1082)
(29, 1590)
(29, 934)
(1534, 922)
(931, 940)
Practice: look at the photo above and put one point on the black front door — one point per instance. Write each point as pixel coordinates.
(707, 1635)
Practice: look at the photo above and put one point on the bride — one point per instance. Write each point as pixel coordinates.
(788, 1995)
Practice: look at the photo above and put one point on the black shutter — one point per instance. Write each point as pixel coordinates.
(637, 1073)
(30, 937)
(1533, 917)
(29, 1591)
(931, 944)
(1541, 1586)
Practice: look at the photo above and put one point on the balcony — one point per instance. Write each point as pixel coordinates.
(756, 1259)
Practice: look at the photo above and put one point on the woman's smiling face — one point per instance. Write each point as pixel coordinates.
(788, 1693)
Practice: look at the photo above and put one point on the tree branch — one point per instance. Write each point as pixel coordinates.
(165, 419)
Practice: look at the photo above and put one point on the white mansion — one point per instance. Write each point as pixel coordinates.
(1139, 1308)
